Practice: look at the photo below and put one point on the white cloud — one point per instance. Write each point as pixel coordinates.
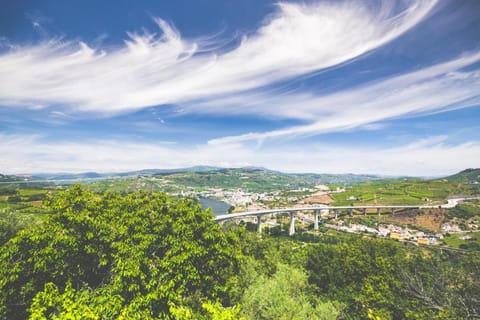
(298, 39)
(152, 70)
(430, 156)
(438, 88)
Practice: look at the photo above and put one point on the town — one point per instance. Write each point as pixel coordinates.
(371, 225)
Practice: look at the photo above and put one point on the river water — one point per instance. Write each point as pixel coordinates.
(218, 207)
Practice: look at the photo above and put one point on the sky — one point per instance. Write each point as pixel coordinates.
(367, 87)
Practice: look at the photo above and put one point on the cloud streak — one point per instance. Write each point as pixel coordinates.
(154, 69)
(442, 87)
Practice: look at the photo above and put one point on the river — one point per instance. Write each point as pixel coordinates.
(218, 207)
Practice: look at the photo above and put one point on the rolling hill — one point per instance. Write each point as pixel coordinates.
(468, 176)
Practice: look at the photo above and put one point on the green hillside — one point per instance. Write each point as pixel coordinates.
(406, 191)
(469, 176)
(255, 180)
(248, 179)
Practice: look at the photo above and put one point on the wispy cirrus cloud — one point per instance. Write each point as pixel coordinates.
(438, 88)
(152, 69)
(431, 156)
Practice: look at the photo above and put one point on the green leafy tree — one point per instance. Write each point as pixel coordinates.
(143, 251)
(211, 311)
(361, 273)
(443, 286)
(12, 221)
(379, 279)
(285, 295)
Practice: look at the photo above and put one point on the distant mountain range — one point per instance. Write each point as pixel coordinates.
(323, 177)
(63, 176)
(465, 176)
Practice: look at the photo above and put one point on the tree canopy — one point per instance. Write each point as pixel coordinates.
(115, 256)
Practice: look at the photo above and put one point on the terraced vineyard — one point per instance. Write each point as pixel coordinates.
(409, 191)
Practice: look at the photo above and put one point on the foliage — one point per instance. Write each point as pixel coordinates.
(141, 252)
(212, 311)
(378, 278)
(150, 256)
(12, 221)
(471, 242)
(464, 211)
(363, 267)
(285, 295)
(14, 199)
(443, 286)
(271, 283)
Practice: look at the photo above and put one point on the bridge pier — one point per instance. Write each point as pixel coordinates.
(315, 219)
(259, 224)
(350, 212)
(364, 211)
(378, 211)
(393, 211)
(291, 230)
(335, 212)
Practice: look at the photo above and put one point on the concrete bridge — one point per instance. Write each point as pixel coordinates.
(324, 211)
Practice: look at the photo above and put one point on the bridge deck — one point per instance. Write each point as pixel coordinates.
(451, 203)
(287, 210)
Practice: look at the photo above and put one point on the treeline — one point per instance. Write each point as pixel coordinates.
(150, 256)
(13, 195)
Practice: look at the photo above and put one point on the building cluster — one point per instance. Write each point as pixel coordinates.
(389, 231)
(451, 228)
(237, 198)
(405, 233)
(353, 228)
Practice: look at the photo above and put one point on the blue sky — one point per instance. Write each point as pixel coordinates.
(376, 87)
